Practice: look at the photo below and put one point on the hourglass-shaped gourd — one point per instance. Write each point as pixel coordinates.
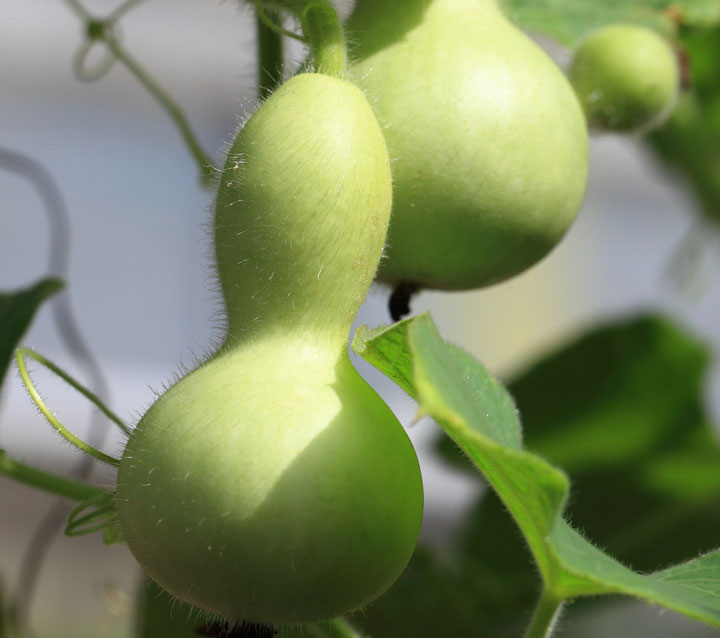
(487, 139)
(272, 484)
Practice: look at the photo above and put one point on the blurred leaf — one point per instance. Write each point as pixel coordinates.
(431, 598)
(689, 142)
(567, 21)
(620, 408)
(497, 560)
(614, 396)
(17, 310)
(448, 385)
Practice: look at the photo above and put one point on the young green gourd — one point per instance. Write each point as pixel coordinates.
(487, 140)
(272, 484)
(627, 78)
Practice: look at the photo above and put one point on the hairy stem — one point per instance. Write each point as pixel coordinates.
(270, 54)
(124, 8)
(545, 617)
(322, 30)
(47, 482)
(20, 355)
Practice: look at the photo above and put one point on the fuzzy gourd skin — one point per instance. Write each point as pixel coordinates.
(272, 484)
(487, 140)
(626, 78)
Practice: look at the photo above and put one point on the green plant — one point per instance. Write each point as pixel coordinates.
(270, 488)
(626, 76)
(472, 110)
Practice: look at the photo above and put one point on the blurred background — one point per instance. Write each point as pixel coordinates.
(142, 293)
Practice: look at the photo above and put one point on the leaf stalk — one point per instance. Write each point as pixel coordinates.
(547, 613)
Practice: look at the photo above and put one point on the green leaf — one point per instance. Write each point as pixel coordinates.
(567, 21)
(17, 310)
(631, 431)
(496, 559)
(645, 464)
(447, 383)
(613, 395)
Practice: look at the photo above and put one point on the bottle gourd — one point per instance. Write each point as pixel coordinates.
(487, 140)
(272, 484)
(627, 78)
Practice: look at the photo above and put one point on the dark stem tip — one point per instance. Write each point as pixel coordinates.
(399, 304)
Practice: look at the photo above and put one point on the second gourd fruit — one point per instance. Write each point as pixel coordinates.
(272, 484)
(626, 77)
(487, 139)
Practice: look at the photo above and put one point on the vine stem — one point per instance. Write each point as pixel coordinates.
(58, 485)
(270, 52)
(322, 31)
(545, 617)
(20, 355)
(172, 109)
(124, 8)
(102, 30)
(58, 264)
(341, 628)
(272, 20)
(80, 11)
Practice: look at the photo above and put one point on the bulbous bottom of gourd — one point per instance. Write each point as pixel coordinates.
(271, 486)
(487, 140)
(459, 260)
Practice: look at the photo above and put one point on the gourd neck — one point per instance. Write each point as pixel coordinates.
(322, 31)
(305, 281)
(302, 213)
